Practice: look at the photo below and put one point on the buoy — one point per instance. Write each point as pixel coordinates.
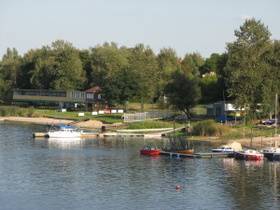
(178, 187)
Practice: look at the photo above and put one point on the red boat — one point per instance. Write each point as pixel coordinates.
(150, 151)
(248, 154)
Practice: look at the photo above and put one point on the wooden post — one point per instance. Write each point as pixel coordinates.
(276, 118)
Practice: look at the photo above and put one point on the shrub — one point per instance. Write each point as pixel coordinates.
(16, 111)
(209, 128)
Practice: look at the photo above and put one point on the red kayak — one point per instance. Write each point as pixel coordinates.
(150, 151)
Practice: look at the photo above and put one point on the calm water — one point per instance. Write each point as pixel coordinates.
(92, 174)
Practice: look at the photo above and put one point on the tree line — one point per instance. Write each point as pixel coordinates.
(247, 73)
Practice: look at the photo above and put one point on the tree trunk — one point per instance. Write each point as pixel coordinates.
(142, 104)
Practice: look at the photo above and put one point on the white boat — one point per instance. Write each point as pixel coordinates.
(64, 131)
(223, 148)
(272, 153)
(248, 154)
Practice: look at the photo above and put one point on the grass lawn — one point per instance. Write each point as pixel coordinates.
(153, 124)
(106, 118)
(237, 132)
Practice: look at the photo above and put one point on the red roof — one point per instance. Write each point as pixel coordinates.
(94, 89)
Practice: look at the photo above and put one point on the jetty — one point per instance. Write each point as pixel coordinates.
(197, 155)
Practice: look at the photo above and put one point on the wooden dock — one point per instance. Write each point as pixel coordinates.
(178, 155)
(214, 154)
(197, 155)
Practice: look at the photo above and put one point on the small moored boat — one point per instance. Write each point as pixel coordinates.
(224, 148)
(64, 131)
(272, 153)
(248, 154)
(148, 150)
(186, 151)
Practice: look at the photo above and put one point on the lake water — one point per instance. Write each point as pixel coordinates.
(96, 174)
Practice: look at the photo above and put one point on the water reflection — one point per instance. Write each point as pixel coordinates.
(111, 174)
(65, 143)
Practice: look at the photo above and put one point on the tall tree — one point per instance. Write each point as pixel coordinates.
(143, 63)
(9, 70)
(246, 65)
(68, 68)
(168, 63)
(211, 64)
(271, 77)
(183, 91)
(192, 63)
(53, 67)
(107, 69)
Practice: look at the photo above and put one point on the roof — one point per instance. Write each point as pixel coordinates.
(94, 89)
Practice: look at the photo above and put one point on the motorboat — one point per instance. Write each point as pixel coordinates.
(224, 149)
(272, 153)
(149, 150)
(248, 154)
(64, 131)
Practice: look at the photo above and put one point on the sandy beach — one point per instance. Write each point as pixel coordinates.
(52, 121)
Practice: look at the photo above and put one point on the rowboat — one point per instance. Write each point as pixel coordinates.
(152, 151)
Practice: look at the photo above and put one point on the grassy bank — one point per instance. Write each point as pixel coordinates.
(17, 111)
(211, 130)
(32, 112)
(202, 129)
(153, 124)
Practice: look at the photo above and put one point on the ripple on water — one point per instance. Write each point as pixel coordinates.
(112, 175)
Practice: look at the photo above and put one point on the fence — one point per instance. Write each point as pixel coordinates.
(142, 116)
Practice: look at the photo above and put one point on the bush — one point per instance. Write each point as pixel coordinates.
(16, 111)
(209, 128)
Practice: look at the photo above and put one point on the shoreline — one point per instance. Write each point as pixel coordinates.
(257, 142)
(91, 124)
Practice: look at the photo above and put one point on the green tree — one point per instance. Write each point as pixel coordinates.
(210, 65)
(192, 63)
(271, 77)
(53, 67)
(210, 91)
(108, 68)
(143, 64)
(9, 70)
(183, 92)
(69, 72)
(168, 63)
(246, 66)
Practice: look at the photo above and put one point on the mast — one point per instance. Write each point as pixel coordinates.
(276, 117)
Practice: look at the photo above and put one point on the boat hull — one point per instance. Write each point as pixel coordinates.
(150, 152)
(244, 156)
(272, 156)
(222, 150)
(61, 134)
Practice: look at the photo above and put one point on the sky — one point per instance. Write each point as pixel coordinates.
(203, 26)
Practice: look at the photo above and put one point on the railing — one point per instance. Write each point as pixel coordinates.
(142, 116)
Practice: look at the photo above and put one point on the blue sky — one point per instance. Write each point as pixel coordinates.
(203, 26)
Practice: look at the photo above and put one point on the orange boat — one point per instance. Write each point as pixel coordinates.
(186, 151)
(150, 151)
